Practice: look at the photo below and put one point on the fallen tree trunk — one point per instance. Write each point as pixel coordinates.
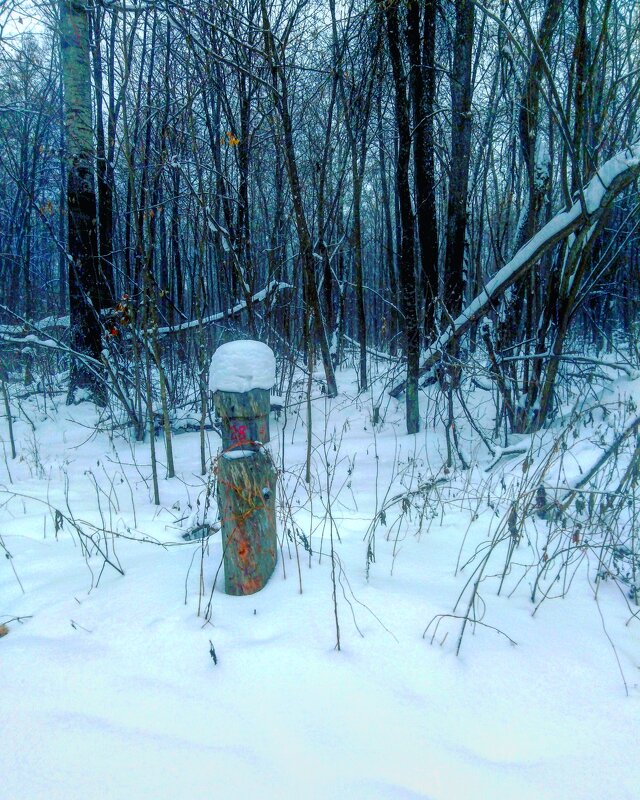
(612, 178)
(265, 295)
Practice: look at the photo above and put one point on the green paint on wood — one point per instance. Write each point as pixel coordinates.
(246, 491)
(246, 498)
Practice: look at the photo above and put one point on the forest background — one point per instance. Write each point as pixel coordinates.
(430, 212)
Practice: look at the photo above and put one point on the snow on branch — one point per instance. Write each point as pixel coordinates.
(268, 292)
(44, 324)
(631, 428)
(611, 179)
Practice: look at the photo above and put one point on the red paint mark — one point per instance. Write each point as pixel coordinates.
(238, 433)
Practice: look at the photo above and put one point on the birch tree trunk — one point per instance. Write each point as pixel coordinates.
(84, 262)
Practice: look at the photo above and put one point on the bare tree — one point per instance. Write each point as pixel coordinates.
(406, 272)
(88, 291)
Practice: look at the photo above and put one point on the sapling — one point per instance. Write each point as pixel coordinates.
(7, 409)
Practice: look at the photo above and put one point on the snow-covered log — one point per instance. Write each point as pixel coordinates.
(264, 295)
(612, 178)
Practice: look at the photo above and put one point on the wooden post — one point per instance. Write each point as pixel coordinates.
(244, 417)
(246, 474)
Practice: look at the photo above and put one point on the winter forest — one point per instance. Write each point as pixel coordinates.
(358, 282)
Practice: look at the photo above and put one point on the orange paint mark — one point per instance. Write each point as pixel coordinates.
(252, 585)
(243, 551)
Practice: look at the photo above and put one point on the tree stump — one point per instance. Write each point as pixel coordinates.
(246, 474)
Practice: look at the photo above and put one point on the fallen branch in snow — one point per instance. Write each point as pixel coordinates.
(92, 540)
(612, 178)
(55, 344)
(16, 619)
(41, 325)
(506, 452)
(439, 617)
(266, 294)
(48, 344)
(372, 352)
(610, 452)
(405, 498)
(16, 335)
(575, 359)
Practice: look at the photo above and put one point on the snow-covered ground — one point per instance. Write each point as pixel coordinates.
(108, 684)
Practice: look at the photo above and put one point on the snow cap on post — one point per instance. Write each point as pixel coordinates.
(242, 366)
(240, 377)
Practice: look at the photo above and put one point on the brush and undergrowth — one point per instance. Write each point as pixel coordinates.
(539, 515)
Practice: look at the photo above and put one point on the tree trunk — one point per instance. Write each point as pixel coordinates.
(302, 227)
(84, 267)
(528, 125)
(389, 254)
(406, 274)
(422, 84)
(454, 277)
(105, 287)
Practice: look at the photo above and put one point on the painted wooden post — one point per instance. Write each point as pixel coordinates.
(240, 377)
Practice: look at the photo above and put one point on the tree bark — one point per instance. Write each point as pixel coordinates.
(406, 273)
(105, 288)
(528, 124)
(461, 91)
(422, 84)
(84, 264)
